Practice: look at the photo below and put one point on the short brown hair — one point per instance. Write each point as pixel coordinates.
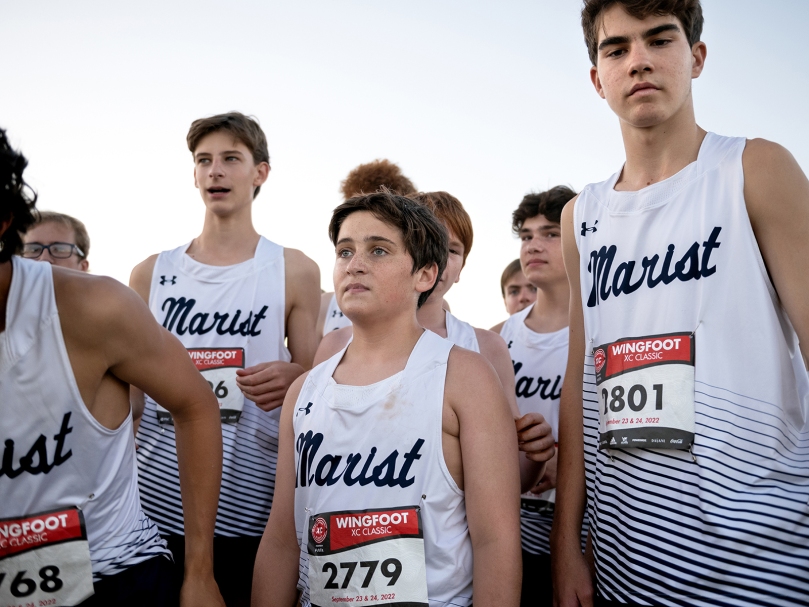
(244, 128)
(450, 211)
(511, 269)
(688, 12)
(368, 178)
(425, 237)
(79, 230)
(548, 204)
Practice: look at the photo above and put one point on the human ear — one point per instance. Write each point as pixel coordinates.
(262, 173)
(594, 78)
(426, 277)
(698, 54)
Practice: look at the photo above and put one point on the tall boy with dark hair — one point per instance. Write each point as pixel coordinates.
(689, 272)
(397, 472)
(73, 531)
(232, 297)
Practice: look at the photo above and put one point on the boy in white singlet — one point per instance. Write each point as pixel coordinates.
(398, 466)
(537, 340)
(59, 239)
(232, 297)
(363, 179)
(518, 293)
(689, 273)
(72, 531)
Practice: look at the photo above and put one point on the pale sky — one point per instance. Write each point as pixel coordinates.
(486, 100)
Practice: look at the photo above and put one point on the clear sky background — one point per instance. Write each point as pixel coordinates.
(486, 100)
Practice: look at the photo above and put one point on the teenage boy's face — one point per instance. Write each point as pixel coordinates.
(645, 67)
(373, 272)
(541, 252)
(452, 273)
(225, 173)
(519, 293)
(49, 233)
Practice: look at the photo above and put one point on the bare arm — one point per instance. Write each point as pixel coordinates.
(494, 349)
(267, 383)
(140, 281)
(488, 444)
(332, 343)
(111, 331)
(571, 579)
(498, 327)
(325, 300)
(777, 195)
(275, 574)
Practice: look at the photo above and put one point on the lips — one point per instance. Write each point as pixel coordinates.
(356, 287)
(642, 86)
(218, 190)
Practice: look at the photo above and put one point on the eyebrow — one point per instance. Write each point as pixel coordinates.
(666, 27)
(226, 152)
(367, 239)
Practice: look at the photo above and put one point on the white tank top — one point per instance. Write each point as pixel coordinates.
(462, 334)
(678, 304)
(335, 319)
(370, 465)
(56, 455)
(228, 317)
(539, 361)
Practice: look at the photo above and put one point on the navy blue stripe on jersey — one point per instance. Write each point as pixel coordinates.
(726, 526)
(248, 474)
(113, 560)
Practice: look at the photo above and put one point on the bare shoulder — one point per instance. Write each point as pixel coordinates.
(758, 151)
(325, 300)
(469, 374)
(498, 328)
(568, 210)
(300, 267)
(491, 342)
(332, 343)
(288, 408)
(141, 277)
(776, 190)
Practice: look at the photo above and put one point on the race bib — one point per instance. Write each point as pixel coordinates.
(645, 388)
(373, 557)
(218, 367)
(543, 503)
(45, 560)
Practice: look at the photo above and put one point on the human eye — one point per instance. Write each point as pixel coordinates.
(231, 158)
(661, 41)
(343, 253)
(616, 52)
(378, 251)
(203, 160)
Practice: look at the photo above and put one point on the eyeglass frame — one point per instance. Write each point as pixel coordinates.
(73, 249)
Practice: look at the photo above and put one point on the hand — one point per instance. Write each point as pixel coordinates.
(200, 591)
(548, 480)
(572, 584)
(535, 438)
(266, 384)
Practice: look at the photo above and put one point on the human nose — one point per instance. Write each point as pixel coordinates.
(639, 60)
(46, 255)
(356, 264)
(217, 168)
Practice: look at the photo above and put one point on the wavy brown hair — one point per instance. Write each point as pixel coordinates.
(369, 177)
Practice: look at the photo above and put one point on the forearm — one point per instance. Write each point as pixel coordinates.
(530, 473)
(199, 455)
(275, 575)
(497, 572)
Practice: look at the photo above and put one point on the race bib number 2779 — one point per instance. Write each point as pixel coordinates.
(372, 557)
(45, 560)
(645, 388)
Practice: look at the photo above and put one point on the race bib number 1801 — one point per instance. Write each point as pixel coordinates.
(373, 557)
(218, 367)
(45, 560)
(645, 390)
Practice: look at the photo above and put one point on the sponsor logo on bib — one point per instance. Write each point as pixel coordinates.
(320, 530)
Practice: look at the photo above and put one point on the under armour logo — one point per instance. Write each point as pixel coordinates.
(171, 281)
(585, 229)
(510, 343)
(336, 313)
(306, 409)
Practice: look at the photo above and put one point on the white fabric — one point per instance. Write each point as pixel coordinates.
(251, 296)
(461, 333)
(403, 414)
(729, 524)
(335, 319)
(74, 460)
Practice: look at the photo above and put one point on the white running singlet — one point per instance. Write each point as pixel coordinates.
(228, 317)
(687, 341)
(335, 319)
(377, 513)
(539, 361)
(462, 333)
(66, 481)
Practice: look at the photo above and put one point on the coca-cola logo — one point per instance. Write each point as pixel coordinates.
(320, 530)
(599, 357)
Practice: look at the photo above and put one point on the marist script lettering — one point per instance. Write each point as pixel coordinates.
(179, 309)
(35, 461)
(623, 282)
(328, 471)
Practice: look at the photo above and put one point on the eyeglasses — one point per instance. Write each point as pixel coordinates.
(58, 250)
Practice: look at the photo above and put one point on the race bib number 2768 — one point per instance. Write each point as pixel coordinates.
(645, 388)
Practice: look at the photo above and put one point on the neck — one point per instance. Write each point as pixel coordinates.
(225, 240)
(551, 312)
(655, 153)
(432, 315)
(5, 285)
(384, 342)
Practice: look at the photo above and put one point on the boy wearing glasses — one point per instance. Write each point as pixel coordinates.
(59, 239)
